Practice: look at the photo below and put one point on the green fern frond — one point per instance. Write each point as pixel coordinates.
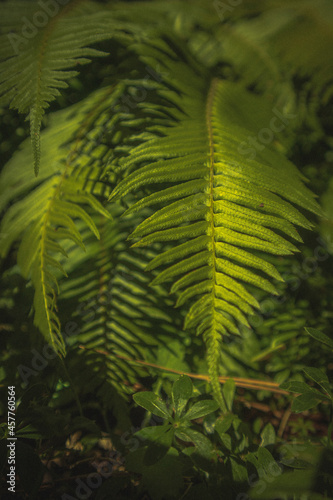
(222, 210)
(35, 60)
(214, 201)
(112, 303)
(286, 42)
(45, 217)
(80, 145)
(303, 39)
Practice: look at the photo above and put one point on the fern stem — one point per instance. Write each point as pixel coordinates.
(213, 336)
(213, 357)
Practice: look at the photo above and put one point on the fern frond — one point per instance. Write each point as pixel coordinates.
(80, 145)
(112, 303)
(303, 40)
(45, 217)
(35, 61)
(287, 44)
(222, 210)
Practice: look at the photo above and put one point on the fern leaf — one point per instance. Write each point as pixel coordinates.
(286, 42)
(116, 313)
(226, 206)
(35, 66)
(47, 216)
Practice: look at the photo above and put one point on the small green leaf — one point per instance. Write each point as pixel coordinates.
(222, 426)
(159, 447)
(320, 378)
(296, 484)
(203, 445)
(151, 402)
(229, 392)
(152, 433)
(227, 441)
(268, 470)
(200, 409)
(209, 423)
(267, 463)
(305, 402)
(298, 387)
(239, 472)
(181, 393)
(268, 435)
(29, 432)
(321, 337)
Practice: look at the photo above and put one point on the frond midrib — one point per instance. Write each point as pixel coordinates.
(46, 224)
(212, 335)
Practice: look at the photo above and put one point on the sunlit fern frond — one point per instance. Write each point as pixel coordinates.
(39, 49)
(80, 144)
(201, 156)
(222, 208)
(41, 213)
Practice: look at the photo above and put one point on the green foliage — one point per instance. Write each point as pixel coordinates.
(163, 243)
(44, 218)
(214, 203)
(32, 71)
(315, 483)
(310, 397)
(222, 212)
(162, 437)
